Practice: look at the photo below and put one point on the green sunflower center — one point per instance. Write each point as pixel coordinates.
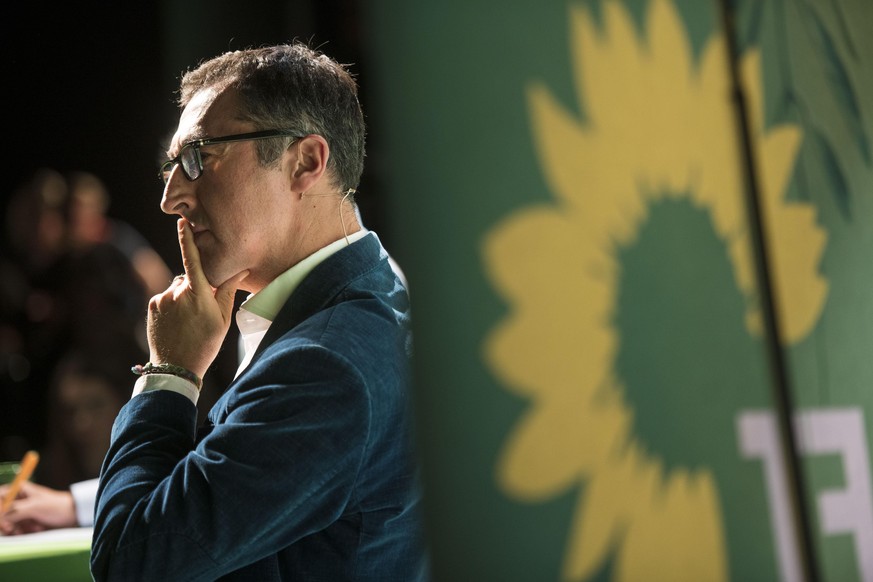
(684, 353)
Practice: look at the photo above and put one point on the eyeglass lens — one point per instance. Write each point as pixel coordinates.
(189, 159)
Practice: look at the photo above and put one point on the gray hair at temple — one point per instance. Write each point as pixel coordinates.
(294, 87)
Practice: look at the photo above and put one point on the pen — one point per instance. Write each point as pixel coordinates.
(28, 464)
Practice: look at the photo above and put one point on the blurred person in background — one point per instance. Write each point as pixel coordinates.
(35, 241)
(99, 296)
(69, 310)
(35, 224)
(88, 389)
(90, 224)
(60, 294)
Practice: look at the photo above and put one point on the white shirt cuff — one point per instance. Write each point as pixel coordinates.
(169, 382)
(84, 498)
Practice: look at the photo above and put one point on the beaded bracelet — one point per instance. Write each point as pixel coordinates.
(149, 368)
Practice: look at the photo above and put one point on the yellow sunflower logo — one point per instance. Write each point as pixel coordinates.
(659, 134)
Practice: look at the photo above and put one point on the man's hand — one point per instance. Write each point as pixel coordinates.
(187, 322)
(37, 508)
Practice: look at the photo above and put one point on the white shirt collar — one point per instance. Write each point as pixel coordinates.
(259, 309)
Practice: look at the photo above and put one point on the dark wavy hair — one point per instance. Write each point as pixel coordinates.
(293, 87)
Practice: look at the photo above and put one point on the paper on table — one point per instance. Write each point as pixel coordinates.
(50, 535)
(46, 542)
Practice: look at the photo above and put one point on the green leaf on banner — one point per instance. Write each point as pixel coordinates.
(819, 67)
(838, 78)
(834, 177)
(749, 15)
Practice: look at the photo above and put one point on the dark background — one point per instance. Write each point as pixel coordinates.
(91, 86)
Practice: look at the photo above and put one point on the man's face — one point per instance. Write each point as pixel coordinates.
(240, 212)
(89, 407)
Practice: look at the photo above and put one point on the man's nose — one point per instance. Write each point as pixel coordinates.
(178, 195)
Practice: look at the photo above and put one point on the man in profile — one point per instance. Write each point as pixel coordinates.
(305, 469)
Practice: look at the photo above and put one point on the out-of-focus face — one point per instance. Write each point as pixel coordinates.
(241, 213)
(87, 220)
(88, 408)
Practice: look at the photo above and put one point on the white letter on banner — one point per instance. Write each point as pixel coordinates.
(759, 438)
(848, 510)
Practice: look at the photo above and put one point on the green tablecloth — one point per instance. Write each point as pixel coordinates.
(52, 556)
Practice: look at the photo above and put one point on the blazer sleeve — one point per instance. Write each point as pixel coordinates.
(280, 462)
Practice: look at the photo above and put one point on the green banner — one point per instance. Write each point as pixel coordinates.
(596, 398)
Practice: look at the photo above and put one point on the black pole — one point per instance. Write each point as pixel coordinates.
(781, 381)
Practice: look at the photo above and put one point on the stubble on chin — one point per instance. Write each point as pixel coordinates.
(211, 269)
(218, 274)
(215, 278)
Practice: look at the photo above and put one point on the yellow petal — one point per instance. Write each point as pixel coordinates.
(562, 440)
(679, 531)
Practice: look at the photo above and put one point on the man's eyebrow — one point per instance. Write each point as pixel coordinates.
(177, 146)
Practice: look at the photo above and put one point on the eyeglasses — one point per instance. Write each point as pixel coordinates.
(189, 156)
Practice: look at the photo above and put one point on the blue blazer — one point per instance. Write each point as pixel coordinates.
(305, 469)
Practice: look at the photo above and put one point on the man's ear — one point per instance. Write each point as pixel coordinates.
(308, 157)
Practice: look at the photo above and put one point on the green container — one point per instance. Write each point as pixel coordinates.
(8, 471)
